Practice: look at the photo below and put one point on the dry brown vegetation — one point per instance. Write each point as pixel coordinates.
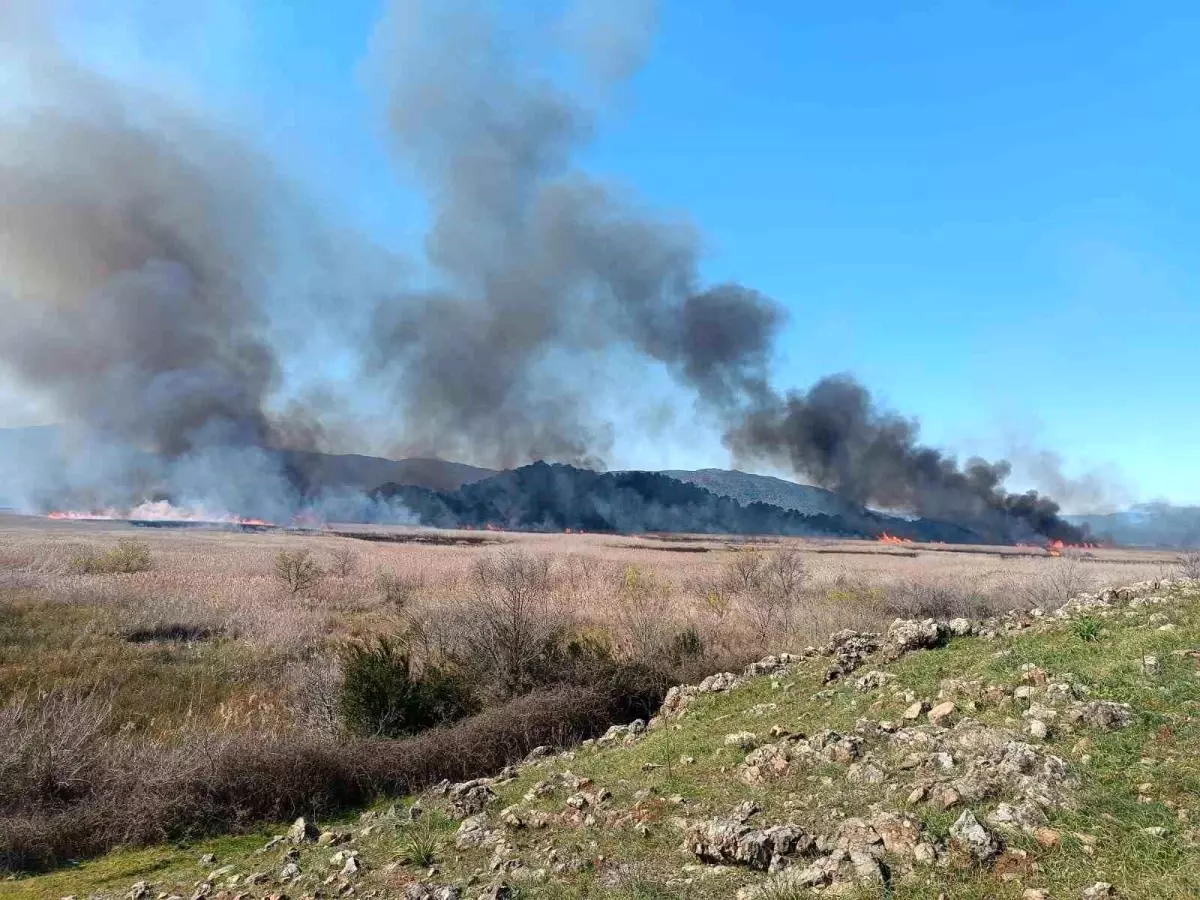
(205, 665)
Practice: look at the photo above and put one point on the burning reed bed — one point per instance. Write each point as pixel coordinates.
(230, 679)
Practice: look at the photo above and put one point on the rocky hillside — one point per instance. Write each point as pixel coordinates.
(1030, 757)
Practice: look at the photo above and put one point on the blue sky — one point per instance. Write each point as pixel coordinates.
(987, 211)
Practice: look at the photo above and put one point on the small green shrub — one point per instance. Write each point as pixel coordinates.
(297, 571)
(1088, 629)
(381, 696)
(127, 557)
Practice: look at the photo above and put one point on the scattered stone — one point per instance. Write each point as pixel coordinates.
(470, 797)
(728, 842)
(303, 831)
(959, 627)
(1047, 837)
(745, 811)
(1035, 894)
(872, 680)
(942, 714)
(849, 650)
(1103, 714)
(982, 845)
(432, 892)
(907, 635)
(743, 740)
(914, 712)
(865, 773)
(1101, 890)
(474, 833)
(289, 871)
(943, 796)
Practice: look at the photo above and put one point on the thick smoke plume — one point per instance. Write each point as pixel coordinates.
(134, 250)
(835, 434)
(537, 263)
(147, 259)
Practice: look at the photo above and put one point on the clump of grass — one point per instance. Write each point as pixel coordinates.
(1088, 629)
(127, 557)
(297, 571)
(418, 845)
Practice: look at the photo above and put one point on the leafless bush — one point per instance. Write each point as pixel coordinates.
(315, 696)
(509, 620)
(1061, 579)
(643, 615)
(344, 562)
(49, 748)
(126, 792)
(396, 590)
(578, 572)
(768, 589)
(297, 571)
(1189, 564)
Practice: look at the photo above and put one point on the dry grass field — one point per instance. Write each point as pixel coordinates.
(218, 660)
(210, 632)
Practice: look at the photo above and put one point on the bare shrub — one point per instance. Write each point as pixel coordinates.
(1189, 564)
(50, 747)
(297, 571)
(643, 615)
(927, 598)
(126, 792)
(508, 620)
(767, 588)
(1060, 579)
(315, 695)
(396, 590)
(578, 572)
(128, 557)
(344, 562)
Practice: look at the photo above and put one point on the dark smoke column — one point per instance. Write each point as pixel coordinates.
(835, 435)
(537, 264)
(133, 256)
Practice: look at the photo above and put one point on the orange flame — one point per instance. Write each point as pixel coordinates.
(1055, 548)
(886, 538)
(158, 511)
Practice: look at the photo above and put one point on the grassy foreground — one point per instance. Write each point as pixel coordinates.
(610, 819)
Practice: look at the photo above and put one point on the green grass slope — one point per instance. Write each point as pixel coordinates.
(1051, 757)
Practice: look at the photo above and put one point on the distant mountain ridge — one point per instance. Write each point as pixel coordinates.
(1147, 525)
(746, 487)
(556, 497)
